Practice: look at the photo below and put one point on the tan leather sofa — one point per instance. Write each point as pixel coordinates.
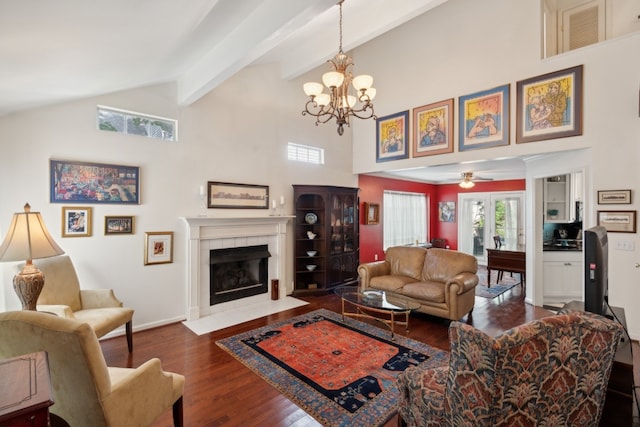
(442, 281)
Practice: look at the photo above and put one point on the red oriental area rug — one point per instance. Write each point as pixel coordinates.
(342, 374)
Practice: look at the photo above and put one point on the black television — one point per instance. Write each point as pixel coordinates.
(596, 270)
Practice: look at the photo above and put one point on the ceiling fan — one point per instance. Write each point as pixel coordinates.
(468, 181)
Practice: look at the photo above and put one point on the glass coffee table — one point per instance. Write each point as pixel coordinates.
(383, 306)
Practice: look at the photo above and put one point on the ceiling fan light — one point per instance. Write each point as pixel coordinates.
(312, 88)
(466, 184)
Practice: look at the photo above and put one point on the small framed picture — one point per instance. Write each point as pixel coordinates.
(118, 225)
(618, 221)
(392, 137)
(372, 213)
(76, 221)
(158, 247)
(614, 197)
(447, 211)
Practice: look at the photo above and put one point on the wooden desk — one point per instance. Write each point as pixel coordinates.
(25, 391)
(506, 260)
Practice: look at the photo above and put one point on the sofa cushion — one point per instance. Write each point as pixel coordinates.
(427, 291)
(406, 261)
(390, 283)
(442, 264)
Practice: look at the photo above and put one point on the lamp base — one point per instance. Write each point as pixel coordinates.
(28, 284)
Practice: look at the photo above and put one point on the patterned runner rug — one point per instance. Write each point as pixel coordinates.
(342, 374)
(495, 290)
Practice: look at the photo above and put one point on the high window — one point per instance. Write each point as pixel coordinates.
(404, 218)
(305, 153)
(132, 123)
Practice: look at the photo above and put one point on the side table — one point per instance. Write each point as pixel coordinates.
(25, 391)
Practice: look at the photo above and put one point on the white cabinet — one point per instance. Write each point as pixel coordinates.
(557, 198)
(562, 278)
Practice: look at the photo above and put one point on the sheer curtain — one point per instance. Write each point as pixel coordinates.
(404, 218)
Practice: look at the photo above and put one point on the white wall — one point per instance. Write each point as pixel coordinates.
(463, 47)
(238, 133)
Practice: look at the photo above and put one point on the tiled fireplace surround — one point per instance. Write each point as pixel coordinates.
(205, 234)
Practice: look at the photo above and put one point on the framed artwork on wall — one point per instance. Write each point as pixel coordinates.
(433, 129)
(618, 221)
(549, 106)
(118, 225)
(447, 211)
(484, 119)
(614, 197)
(158, 247)
(392, 137)
(372, 213)
(237, 196)
(76, 221)
(82, 182)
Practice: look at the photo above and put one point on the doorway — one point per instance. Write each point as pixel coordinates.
(485, 215)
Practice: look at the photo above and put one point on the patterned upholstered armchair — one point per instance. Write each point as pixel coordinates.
(553, 371)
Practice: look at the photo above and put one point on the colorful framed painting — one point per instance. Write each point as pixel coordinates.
(81, 182)
(549, 106)
(392, 137)
(433, 129)
(237, 196)
(484, 119)
(158, 247)
(447, 211)
(76, 221)
(618, 221)
(118, 225)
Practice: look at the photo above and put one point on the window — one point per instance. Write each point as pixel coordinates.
(305, 153)
(404, 218)
(131, 123)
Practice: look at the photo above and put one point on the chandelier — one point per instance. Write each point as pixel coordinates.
(338, 103)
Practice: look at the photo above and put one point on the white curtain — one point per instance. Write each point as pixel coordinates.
(404, 218)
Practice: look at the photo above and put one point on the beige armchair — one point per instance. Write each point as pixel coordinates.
(86, 392)
(98, 307)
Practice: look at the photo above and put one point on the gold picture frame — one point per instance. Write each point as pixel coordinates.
(158, 247)
(371, 213)
(76, 221)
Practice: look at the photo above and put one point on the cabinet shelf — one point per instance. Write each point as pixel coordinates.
(337, 225)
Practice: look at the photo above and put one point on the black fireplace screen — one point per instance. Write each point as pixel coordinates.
(238, 273)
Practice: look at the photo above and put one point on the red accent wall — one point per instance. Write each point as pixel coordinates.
(371, 191)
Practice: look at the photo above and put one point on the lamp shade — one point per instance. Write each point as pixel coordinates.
(28, 238)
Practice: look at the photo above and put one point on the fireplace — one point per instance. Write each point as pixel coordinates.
(238, 273)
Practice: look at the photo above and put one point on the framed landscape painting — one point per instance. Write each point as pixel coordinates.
(549, 106)
(392, 137)
(433, 129)
(484, 119)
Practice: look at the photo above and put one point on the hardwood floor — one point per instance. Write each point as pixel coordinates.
(220, 391)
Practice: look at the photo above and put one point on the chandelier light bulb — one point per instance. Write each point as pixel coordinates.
(351, 101)
(371, 93)
(312, 88)
(362, 81)
(332, 79)
(323, 99)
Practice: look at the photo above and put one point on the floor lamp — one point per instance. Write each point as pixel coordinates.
(28, 239)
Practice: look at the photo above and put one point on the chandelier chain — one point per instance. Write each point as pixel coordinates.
(340, 47)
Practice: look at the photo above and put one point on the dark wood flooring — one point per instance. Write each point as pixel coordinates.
(220, 391)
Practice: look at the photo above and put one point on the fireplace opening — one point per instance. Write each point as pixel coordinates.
(238, 273)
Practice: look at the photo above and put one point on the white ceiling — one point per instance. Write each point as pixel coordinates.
(55, 51)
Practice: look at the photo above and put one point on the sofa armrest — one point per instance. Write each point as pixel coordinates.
(465, 281)
(58, 310)
(99, 298)
(372, 269)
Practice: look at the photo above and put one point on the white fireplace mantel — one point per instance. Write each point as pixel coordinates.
(207, 233)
